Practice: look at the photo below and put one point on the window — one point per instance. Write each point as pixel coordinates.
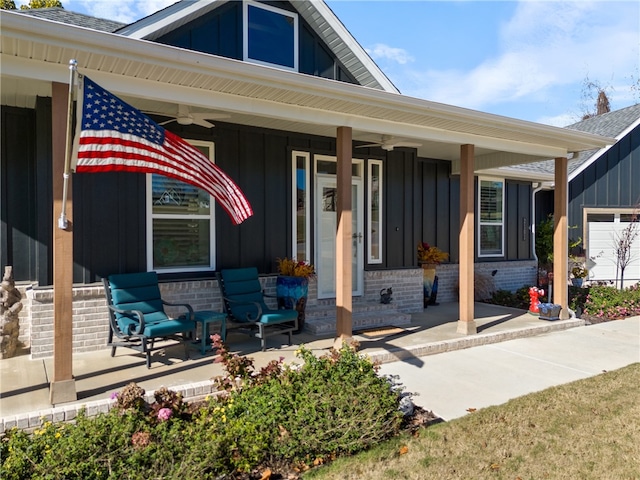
(374, 206)
(301, 205)
(180, 223)
(491, 218)
(270, 35)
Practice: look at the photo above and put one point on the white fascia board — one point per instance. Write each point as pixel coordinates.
(348, 39)
(84, 40)
(602, 151)
(163, 18)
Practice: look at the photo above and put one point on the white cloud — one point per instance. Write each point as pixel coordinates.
(544, 47)
(382, 51)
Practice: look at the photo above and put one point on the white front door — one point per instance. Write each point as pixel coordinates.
(326, 226)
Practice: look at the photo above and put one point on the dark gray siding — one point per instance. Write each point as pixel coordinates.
(220, 33)
(18, 189)
(518, 220)
(612, 181)
(421, 202)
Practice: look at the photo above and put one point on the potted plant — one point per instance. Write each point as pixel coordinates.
(292, 286)
(579, 273)
(428, 257)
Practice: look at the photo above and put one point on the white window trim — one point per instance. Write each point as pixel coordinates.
(370, 235)
(294, 204)
(480, 223)
(245, 34)
(211, 217)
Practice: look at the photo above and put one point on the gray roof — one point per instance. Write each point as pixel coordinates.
(57, 14)
(612, 124)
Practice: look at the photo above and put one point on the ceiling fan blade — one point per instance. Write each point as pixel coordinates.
(407, 144)
(209, 116)
(203, 123)
(167, 121)
(369, 145)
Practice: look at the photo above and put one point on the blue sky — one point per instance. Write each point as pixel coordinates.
(523, 59)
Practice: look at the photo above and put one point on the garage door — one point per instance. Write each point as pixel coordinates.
(603, 233)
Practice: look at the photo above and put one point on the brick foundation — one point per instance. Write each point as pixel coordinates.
(90, 318)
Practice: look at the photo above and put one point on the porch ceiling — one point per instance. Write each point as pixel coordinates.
(35, 52)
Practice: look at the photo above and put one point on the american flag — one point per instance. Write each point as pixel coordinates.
(113, 136)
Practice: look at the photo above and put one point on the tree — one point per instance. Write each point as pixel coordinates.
(33, 4)
(622, 246)
(594, 93)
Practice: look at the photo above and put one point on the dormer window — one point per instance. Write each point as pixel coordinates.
(270, 36)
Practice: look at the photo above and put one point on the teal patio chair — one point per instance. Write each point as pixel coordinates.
(246, 310)
(136, 314)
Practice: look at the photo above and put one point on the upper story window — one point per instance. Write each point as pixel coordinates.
(270, 35)
(491, 218)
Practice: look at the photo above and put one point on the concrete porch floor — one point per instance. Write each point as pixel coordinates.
(24, 383)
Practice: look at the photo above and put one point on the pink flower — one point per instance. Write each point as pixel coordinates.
(164, 414)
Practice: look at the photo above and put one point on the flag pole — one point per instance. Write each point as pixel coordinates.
(62, 221)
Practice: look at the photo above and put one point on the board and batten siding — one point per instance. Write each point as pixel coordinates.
(612, 181)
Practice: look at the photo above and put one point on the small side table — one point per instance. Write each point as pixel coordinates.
(207, 317)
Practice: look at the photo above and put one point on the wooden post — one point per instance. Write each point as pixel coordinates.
(62, 387)
(561, 238)
(466, 323)
(344, 240)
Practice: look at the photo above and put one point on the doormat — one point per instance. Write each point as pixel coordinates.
(380, 332)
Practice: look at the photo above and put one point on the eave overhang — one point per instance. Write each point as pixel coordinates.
(38, 49)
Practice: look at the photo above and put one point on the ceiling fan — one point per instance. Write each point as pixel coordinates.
(184, 116)
(388, 143)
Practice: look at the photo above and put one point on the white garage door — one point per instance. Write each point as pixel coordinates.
(604, 231)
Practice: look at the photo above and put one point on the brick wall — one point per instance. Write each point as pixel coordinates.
(509, 276)
(90, 318)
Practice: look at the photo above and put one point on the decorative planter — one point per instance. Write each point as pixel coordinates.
(577, 282)
(292, 293)
(549, 311)
(428, 278)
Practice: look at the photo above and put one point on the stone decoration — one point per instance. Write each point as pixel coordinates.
(10, 306)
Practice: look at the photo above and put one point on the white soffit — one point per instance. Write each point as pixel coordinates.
(39, 49)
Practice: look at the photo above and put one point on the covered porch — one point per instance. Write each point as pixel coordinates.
(25, 392)
(146, 74)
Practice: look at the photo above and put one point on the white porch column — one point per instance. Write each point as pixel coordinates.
(344, 240)
(561, 238)
(466, 323)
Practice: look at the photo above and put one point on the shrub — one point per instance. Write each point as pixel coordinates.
(609, 302)
(328, 406)
(517, 299)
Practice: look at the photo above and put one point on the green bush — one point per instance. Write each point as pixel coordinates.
(517, 299)
(326, 407)
(611, 303)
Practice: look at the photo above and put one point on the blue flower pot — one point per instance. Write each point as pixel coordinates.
(292, 293)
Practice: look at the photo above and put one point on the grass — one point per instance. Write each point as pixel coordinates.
(589, 429)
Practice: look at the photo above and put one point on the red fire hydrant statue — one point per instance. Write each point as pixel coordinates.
(534, 299)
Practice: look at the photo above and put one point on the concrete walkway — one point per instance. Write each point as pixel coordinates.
(453, 382)
(444, 381)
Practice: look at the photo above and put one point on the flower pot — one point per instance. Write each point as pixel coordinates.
(577, 282)
(428, 278)
(292, 293)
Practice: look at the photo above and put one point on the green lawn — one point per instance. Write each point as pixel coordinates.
(588, 429)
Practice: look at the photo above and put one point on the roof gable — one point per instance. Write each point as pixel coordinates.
(316, 14)
(617, 124)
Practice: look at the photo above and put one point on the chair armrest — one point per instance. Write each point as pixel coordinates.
(249, 318)
(130, 314)
(185, 305)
